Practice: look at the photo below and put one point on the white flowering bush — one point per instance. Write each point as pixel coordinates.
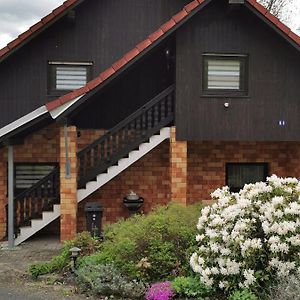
(249, 238)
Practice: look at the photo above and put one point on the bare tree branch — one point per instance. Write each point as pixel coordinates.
(279, 8)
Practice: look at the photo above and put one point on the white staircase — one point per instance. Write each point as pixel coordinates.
(38, 224)
(123, 164)
(92, 186)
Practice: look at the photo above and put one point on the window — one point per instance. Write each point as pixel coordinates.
(239, 174)
(68, 76)
(26, 175)
(225, 74)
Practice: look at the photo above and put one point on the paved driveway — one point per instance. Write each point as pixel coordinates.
(15, 284)
(10, 294)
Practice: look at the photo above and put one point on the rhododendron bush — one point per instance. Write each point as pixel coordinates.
(247, 239)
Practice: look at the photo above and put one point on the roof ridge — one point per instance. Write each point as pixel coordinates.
(36, 27)
(273, 19)
(139, 48)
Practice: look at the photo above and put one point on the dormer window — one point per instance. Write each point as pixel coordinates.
(68, 76)
(225, 74)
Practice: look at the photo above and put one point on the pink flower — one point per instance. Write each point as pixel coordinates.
(160, 291)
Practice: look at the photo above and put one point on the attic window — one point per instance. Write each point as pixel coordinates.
(68, 76)
(225, 74)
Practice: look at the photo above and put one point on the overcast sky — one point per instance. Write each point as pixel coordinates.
(16, 16)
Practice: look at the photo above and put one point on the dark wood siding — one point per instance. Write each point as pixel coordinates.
(145, 80)
(103, 31)
(274, 81)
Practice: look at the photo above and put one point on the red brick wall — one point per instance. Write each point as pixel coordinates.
(41, 146)
(206, 162)
(87, 136)
(149, 177)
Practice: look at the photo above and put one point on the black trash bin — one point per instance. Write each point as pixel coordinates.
(94, 212)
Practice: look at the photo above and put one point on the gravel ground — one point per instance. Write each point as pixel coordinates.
(15, 284)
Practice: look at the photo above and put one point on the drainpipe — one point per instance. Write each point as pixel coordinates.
(10, 197)
(68, 163)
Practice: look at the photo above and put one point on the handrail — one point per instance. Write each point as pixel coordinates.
(134, 115)
(126, 136)
(37, 184)
(39, 197)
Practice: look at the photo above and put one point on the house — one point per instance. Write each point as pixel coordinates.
(168, 98)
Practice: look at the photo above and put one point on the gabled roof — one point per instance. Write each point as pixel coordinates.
(176, 21)
(40, 26)
(116, 68)
(62, 104)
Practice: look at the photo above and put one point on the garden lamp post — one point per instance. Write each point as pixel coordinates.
(74, 254)
(133, 202)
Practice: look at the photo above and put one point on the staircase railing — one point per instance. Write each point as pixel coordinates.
(40, 197)
(126, 136)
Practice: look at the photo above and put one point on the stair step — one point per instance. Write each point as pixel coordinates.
(123, 164)
(143, 146)
(133, 153)
(91, 184)
(154, 138)
(101, 179)
(24, 230)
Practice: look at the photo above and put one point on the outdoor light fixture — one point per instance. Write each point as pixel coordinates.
(133, 202)
(74, 254)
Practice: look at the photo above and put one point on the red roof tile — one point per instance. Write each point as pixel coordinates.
(156, 35)
(53, 104)
(192, 5)
(161, 31)
(39, 25)
(143, 45)
(131, 54)
(168, 25)
(180, 16)
(138, 49)
(107, 73)
(3, 51)
(95, 82)
(119, 64)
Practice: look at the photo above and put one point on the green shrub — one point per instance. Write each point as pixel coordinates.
(106, 280)
(242, 295)
(83, 240)
(190, 287)
(249, 238)
(151, 248)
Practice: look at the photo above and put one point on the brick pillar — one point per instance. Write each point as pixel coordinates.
(3, 191)
(178, 169)
(68, 185)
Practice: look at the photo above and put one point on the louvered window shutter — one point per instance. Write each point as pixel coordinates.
(223, 74)
(70, 77)
(26, 175)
